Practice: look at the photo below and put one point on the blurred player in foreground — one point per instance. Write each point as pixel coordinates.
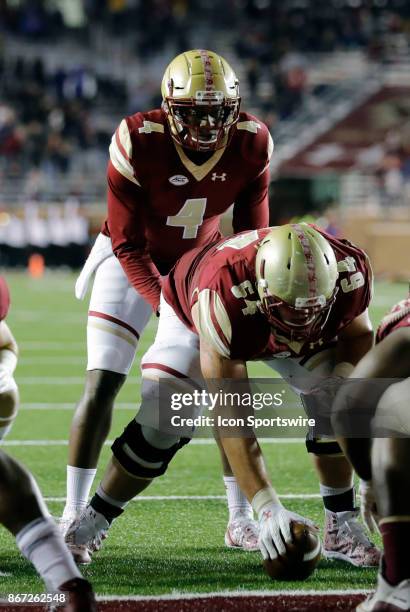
(172, 173)
(9, 398)
(290, 296)
(383, 462)
(22, 509)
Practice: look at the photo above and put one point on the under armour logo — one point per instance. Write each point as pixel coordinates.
(221, 177)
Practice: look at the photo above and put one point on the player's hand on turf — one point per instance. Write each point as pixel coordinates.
(368, 508)
(275, 529)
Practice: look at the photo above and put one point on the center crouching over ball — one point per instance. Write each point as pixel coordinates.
(302, 555)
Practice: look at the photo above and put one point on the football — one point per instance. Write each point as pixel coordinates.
(303, 555)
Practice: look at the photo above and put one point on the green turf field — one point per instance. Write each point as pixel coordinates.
(162, 545)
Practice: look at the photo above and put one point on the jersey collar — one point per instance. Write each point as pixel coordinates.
(199, 172)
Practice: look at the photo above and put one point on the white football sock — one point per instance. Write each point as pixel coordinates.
(42, 544)
(237, 502)
(325, 490)
(110, 500)
(79, 483)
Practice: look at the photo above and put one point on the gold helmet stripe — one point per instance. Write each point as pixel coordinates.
(206, 63)
(310, 263)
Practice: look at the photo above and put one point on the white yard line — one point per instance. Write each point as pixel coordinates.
(35, 345)
(224, 594)
(197, 442)
(63, 360)
(71, 406)
(59, 380)
(143, 498)
(22, 316)
(281, 593)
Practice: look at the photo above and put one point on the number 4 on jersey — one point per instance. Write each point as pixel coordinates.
(190, 217)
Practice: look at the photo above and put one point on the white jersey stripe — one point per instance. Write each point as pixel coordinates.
(270, 146)
(206, 326)
(222, 318)
(121, 151)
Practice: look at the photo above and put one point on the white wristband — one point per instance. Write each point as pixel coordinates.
(264, 496)
(8, 361)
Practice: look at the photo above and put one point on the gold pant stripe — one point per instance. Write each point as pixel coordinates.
(114, 331)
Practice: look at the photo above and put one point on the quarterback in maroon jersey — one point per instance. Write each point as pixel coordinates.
(22, 508)
(172, 172)
(382, 462)
(291, 296)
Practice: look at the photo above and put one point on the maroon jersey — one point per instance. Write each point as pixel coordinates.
(4, 299)
(221, 278)
(161, 204)
(399, 316)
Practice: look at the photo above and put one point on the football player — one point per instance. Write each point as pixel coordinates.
(382, 459)
(22, 509)
(291, 296)
(172, 172)
(8, 360)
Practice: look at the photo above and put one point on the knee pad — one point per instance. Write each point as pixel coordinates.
(145, 452)
(323, 446)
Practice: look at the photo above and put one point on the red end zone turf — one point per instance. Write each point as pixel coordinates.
(274, 603)
(283, 603)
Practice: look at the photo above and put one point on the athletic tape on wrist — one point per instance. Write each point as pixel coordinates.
(264, 496)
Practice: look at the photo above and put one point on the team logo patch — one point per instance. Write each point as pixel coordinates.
(178, 180)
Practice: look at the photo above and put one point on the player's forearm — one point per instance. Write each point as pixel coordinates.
(247, 464)
(251, 210)
(141, 272)
(346, 409)
(243, 453)
(125, 220)
(350, 351)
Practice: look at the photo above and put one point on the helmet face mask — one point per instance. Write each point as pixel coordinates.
(201, 100)
(202, 127)
(302, 322)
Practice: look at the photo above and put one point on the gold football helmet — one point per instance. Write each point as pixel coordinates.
(296, 272)
(200, 94)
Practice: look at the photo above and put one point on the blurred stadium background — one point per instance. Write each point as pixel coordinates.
(331, 78)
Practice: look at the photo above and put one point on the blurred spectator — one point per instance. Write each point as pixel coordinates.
(56, 113)
(60, 233)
